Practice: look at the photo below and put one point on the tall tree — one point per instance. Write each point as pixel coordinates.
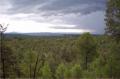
(113, 18)
(2, 30)
(87, 47)
(113, 61)
(8, 58)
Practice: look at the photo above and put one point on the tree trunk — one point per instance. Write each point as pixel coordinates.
(86, 62)
(34, 74)
(30, 71)
(2, 58)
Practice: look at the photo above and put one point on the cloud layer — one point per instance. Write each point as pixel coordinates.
(55, 6)
(81, 14)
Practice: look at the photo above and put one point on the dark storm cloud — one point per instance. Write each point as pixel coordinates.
(75, 6)
(93, 21)
(57, 6)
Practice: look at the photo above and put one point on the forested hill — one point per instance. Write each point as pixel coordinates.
(80, 56)
(45, 35)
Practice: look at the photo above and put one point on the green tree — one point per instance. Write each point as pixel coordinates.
(67, 72)
(113, 62)
(28, 63)
(10, 62)
(8, 57)
(113, 18)
(76, 71)
(87, 46)
(60, 71)
(107, 64)
(46, 72)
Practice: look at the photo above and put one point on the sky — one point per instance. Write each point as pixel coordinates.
(64, 16)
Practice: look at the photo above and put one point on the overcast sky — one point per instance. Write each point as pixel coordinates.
(76, 16)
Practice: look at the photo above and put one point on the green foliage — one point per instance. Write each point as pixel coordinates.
(60, 71)
(113, 62)
(107, 64)
(88, 57)
(76, 71)
(10, 62)
(67, 72)
(112, 18)
(28, 63)
(87, 46)
(46, 72)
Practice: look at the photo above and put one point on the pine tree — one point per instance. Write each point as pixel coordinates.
(113, 19)
(87, 47)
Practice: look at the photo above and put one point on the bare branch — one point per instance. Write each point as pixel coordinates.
(3, 29)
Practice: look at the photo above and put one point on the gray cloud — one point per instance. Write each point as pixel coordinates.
(93, 21)
(56, 6)
(84, 14)
(75, 6)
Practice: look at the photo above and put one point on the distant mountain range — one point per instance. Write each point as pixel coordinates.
(44, 34)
